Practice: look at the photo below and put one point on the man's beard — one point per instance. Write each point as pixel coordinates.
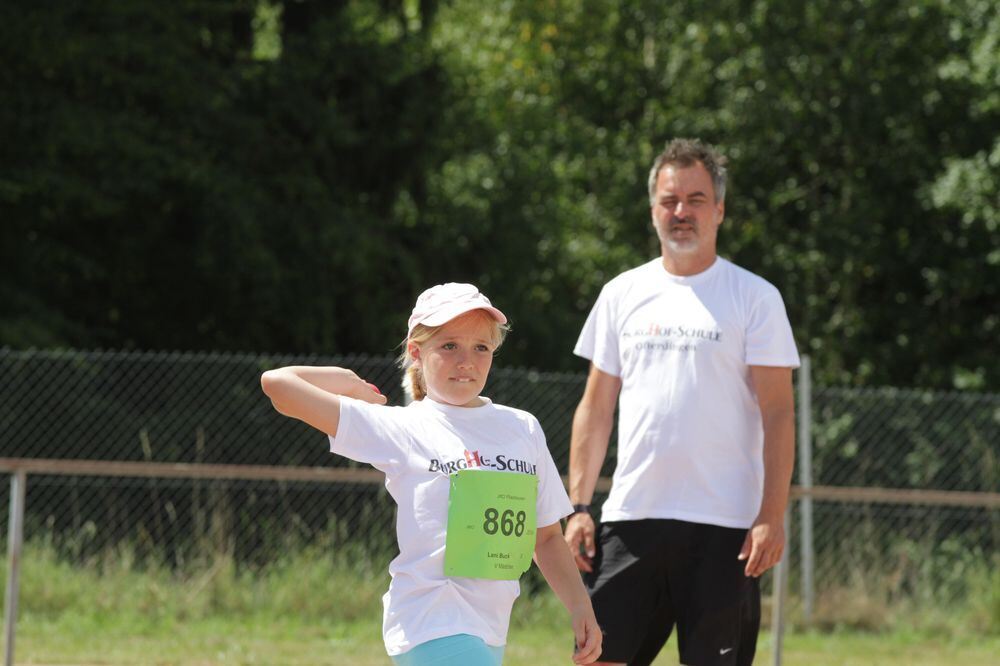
(687, 244)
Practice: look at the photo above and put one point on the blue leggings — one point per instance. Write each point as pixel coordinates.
(457, 650)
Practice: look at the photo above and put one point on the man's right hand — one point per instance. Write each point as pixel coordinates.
(580, 539)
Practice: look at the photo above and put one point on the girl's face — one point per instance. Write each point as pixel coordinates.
(456, 360)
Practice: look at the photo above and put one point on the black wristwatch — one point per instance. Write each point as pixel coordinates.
(580, 508)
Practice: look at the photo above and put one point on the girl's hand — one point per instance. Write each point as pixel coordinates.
(377, 399)
(588, 635)
(348, 383)
(339, 381)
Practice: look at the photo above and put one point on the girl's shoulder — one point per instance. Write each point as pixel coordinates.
(381, 416)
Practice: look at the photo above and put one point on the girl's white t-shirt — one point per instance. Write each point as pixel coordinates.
(418, 447)
(690, 436)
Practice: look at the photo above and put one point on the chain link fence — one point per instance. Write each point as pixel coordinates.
(870, 563)
(926, 557)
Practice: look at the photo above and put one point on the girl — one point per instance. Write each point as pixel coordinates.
(477, 490)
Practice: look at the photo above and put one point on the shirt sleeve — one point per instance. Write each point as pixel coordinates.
(598, 341)
(373, 434)
(553, 502)
(769, 339)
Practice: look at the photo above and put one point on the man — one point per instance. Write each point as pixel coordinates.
(699, 353)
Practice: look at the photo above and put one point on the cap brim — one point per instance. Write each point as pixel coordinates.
(444, 315)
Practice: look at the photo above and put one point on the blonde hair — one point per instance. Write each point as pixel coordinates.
(413, 377)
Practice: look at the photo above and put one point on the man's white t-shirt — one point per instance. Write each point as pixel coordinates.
(418, 447)
(690, 438)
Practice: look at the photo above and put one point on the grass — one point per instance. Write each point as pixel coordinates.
(293, 641)
(322, 605)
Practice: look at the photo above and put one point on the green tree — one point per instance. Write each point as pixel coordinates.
(165, 185)
(836, 116)
(289, 175)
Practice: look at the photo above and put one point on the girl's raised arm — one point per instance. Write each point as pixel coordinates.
(312, 394)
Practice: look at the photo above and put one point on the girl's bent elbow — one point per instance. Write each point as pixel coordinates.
(269, 382)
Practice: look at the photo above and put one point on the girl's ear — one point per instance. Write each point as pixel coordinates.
(413, 350)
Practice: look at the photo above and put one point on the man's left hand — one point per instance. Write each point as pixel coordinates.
(763, 546)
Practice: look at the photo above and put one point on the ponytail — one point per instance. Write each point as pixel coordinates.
(413, 383)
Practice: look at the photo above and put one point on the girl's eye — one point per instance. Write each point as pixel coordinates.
(482, 348)
(448, 345)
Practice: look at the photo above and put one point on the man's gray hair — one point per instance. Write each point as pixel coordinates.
(685, 153)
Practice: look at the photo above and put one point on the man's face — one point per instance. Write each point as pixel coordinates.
(685, 214)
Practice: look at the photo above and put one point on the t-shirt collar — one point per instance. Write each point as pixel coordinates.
(453, 411)
(688, 279)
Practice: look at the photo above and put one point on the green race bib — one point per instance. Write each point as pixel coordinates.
(491, 524)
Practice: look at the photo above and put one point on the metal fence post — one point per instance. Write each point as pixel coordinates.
(780, 579)
(806, 483)
(18, 481)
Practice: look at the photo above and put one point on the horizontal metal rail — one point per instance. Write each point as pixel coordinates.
(899, 496)
(116, 468)
(112, 468)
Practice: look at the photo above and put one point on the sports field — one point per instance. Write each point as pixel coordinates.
(536, 639)
(315, 608)
(287, 641)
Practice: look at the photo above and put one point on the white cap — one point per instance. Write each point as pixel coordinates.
(442, 303)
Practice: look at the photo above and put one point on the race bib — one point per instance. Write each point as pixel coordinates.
(491, 524)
